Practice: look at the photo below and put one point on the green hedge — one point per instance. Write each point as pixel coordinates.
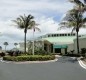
(29, 58)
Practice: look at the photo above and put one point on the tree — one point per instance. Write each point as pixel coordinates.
(0, 47)
(6, 44)
(74, 18)
(24, 22)
(16, 44)
(34, 24)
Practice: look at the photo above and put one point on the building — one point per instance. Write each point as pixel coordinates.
(82, 43)
(37, 44)
(58, 43)
(55, 43)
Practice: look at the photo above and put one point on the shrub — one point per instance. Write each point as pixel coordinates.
(83, 52)
(41, 52)
(72, 55)
(38, 51)
(29, 58)
(14, 53)
(2, 54)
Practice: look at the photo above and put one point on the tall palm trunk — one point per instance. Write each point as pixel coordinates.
(77, 43)
(77, 30)
(5, 47)
(25, 31)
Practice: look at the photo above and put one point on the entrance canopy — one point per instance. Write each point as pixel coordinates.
(60, 46)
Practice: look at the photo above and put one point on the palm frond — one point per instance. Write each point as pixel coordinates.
(77, 2)
(73, 30)
(30, 17)
(36, 28)
(84, 20)
(79, 5)
(22, 18)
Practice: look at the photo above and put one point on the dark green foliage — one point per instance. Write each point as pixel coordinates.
(72, 55)
(75, 19)
(29, 58)
(14, 53)
(56, 53)
(38, 51)
(24, 22)
(2, 54)
(41, 52)
(83, 52)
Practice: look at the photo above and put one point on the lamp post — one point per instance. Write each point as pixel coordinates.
(33, 42)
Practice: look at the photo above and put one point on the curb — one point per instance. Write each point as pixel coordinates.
(26, 62)
(82, 64)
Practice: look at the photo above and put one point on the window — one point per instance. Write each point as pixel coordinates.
(79, 35)
(73, 34)
(57, 35)
(62, 34)
(54, 35)
(48, 35)
(69, 34)
(65, 34)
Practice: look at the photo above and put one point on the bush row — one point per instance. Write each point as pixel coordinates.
(72, 55)
(29, 58)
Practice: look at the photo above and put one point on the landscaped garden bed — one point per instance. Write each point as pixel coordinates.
(29, 58)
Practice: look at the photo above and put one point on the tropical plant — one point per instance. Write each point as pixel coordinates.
(0, 47)
(16, 44)
(6, 44)
(24, 22)
(74, 18)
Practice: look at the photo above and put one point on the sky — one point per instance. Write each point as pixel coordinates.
(48, 14)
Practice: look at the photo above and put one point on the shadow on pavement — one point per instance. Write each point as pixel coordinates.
(65, 59)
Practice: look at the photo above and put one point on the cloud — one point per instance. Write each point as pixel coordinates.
(48, 13)
(13, 8)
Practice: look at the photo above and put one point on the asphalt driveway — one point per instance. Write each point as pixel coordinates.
(65, 68)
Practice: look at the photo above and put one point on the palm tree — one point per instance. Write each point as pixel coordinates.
(16, 44)
(74, 18)
(6, 44)
(34, 24)
(23, 22)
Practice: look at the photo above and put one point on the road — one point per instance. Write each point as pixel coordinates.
(65, 68)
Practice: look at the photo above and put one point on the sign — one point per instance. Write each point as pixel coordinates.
(60, 46)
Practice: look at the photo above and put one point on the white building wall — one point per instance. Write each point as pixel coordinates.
(21, 47)
(70, 47)
(82, 44)
(63, 51)
(29, 45)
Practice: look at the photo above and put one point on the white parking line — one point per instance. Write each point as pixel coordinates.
(82, 64)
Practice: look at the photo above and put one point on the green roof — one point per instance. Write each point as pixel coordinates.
(62, 39)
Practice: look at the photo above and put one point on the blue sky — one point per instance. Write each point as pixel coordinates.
(48, 13)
